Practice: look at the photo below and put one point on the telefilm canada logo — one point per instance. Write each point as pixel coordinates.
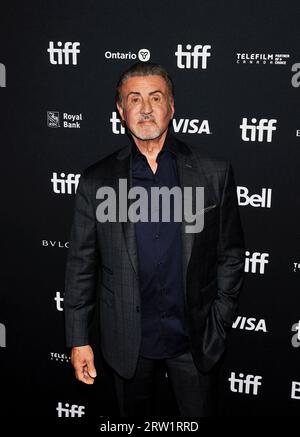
(142, 55)
(2, 76)
(69, 121)
(262, 58)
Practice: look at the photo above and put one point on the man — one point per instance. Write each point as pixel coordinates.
(165, 294)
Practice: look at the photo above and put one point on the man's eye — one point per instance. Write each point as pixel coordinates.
(134, 99)
(156, 98)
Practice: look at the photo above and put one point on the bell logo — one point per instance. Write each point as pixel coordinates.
(295, 389)
(256, 200)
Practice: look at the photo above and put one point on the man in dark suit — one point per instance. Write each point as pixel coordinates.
(165, 294)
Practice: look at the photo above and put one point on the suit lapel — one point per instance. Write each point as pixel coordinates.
(125, 172)
(189, 176)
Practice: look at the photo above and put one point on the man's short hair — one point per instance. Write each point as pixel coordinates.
(144, 69)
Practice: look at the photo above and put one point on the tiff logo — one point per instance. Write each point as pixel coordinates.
(58, 299)
(257, 132)
(62, 55)
(65, 183)
(2, 335)
(2, 76)
(262, 200)
(256, 259)
(184, 58)
(296, 337)
(70, 411)
(247, 385)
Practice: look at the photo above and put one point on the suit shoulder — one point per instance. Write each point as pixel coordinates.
(209, 161)
(104, 167)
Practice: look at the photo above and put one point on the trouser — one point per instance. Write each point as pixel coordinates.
(195, 392)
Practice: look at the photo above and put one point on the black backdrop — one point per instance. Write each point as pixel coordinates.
(250, 72)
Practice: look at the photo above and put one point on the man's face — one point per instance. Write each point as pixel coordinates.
(146, 106)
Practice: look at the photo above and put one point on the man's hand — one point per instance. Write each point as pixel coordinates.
(82, 359)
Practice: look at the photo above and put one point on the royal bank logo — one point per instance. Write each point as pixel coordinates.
(192, 57)
(250, 324)
(262, 200)
(63, 54)
(60, 357)
(247, 384)
(69, 121)
(296, 337)
(70, 410)
(262, 58)
(142, 55)
(59, 301)
(180, 125)
(2, 76)
(258, 130)
(296, 77)
(256, 262)
(53, 119)
(2, 335)
(65, 183)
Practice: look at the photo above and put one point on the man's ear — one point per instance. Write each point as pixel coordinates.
(120, 110)
(172, 107)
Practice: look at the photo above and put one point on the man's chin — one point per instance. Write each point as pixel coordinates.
(147, 136)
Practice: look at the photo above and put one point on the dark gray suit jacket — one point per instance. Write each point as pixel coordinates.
(102, 260)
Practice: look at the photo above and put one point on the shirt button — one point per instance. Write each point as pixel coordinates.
(137, 309)
(156, 236)
(159, 263)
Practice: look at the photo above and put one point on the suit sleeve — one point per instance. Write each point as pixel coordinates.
(231, 253)
(81, 268)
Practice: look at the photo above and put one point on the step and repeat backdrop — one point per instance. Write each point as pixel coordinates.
(236, 68)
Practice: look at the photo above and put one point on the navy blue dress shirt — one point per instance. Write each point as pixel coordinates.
(159, 245)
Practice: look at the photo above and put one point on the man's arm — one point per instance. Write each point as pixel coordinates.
(81, 281)
(231, 253)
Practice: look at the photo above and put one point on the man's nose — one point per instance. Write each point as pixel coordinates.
(146, 107)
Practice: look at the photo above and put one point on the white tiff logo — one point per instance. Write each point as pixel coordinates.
(257, 132)
(60, 55)
(185, 57)
(70, 411)
(244, 384)
(144, 209)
